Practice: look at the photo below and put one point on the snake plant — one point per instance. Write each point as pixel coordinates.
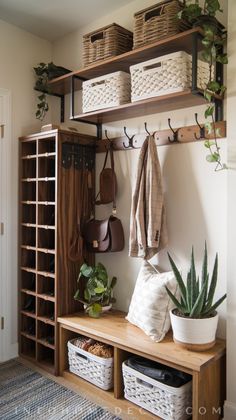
(197, 295)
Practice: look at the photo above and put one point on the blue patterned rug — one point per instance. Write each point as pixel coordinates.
(26, 394)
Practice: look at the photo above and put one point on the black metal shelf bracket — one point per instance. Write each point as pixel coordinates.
(219, 111)
(72, 107)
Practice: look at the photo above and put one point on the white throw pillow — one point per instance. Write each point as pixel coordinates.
(150, 304)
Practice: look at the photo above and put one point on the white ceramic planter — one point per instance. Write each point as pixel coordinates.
(194, 334)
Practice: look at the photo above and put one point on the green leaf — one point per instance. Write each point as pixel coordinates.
(222, 58)
(197, 308)
(175, 301)
(86, 270)
(208, 144)
(77, 294)
(95, 310)
(178, 279)
(213, 86)
(213, 158)
(209, 111)
(208, 96)
(213, 283)
(87, 295)
(213, 308)
(99, 290)
(217, 132)
(208, 127)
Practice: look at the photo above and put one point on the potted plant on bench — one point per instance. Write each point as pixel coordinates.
(97, 296)
(194, 320)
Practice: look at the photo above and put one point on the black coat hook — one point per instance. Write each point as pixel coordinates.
(175, 138)
(131, 141)
(109, 140)
(201, 128)
(145, 126)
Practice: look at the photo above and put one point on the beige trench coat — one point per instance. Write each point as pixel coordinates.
(148, 232)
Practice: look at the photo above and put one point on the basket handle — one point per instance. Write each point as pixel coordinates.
(153, 13)
(144, 383)
(101, 82)
(96, 37)
(81, 356)
(154, 66)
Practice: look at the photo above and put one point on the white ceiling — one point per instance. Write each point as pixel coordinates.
(51, 19)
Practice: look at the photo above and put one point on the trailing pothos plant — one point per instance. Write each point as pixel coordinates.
(98, 291)
(44, 73)
(213, 41)
(197, 295)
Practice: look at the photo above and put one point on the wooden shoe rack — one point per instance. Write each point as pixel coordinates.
(48, 222)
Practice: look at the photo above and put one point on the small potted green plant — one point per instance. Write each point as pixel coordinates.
(194, 320)
(44, 73)
(97, 296)
(213, 40)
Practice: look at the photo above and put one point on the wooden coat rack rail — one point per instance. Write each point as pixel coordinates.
(189, 134)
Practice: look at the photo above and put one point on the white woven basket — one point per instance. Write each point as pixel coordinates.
(113, 89)
(97, 370)
(165, 401)
(167, 74)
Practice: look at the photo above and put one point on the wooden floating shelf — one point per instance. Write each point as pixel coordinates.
(182, 41)
(149, 106)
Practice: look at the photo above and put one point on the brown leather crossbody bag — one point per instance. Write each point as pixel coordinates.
(105, 235)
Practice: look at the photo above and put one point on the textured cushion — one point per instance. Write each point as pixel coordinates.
(150, 303)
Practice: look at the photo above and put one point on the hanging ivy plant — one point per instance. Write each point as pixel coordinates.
(213, 40)
(44, 73)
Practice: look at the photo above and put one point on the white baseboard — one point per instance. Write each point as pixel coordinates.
(229, 411)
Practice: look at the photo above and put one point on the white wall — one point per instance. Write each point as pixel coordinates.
(230, 406)
(19, 52)
(195, 194)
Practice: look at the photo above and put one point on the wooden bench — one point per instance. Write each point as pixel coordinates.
(207, 368)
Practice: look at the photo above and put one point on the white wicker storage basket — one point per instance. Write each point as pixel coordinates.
(113, 89)
(165, 401)
(97, 370)
(167, 74)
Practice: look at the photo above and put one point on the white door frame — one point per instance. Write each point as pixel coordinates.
(6, 347)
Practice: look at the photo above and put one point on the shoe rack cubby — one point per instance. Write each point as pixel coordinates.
(48, 221)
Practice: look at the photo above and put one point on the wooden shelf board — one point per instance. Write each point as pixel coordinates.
(29, 202)
(29, 336)
(46, 227)
(46, 320)
(125, 406)
(29, 247)
(47, 155)
(30, 314)
(46, 203)
(45, 343)
(29, 269)
(44, 296)
(31, 225)
(149, 106)
(46, 251)
(46, 274)
(46, 179)
(116, 330)
(29, 157)
(28, 179)
(29, 292)
(182, 41)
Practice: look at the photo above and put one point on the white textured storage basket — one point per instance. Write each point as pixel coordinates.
(113, 89)
(167, 74)
(97, 370)
(165, 401)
